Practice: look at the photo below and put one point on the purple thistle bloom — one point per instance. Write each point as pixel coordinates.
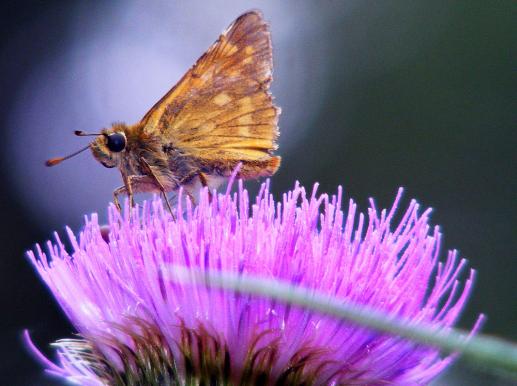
(137, 326)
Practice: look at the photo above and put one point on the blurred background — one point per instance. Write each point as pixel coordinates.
(375, 95)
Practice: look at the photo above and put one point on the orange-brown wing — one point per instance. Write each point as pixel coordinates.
(221, 109)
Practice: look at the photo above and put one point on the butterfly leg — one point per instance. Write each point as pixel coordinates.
(204, 182)
(116, 193)
(123, 190)
(158, 183)
(188, 184)
(190, 196)
(134, 184)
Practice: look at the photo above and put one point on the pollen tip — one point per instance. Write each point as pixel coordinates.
(53, 161)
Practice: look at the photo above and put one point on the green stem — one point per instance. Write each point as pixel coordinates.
(481, 349)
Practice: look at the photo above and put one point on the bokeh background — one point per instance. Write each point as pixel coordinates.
(375, 95)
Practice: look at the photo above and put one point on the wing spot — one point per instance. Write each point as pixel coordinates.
(246, 104)
(221, 99)
(207, 126)
(231, 49)
(245, 119)
(244, 131)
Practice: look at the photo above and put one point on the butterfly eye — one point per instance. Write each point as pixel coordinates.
(116, 142)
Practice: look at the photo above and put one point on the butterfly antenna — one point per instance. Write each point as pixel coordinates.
(58, 160)
(81, 133)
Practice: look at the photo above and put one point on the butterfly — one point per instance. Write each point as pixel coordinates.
(219, 115)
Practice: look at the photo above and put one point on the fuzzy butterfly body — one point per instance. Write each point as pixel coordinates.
(218, 115)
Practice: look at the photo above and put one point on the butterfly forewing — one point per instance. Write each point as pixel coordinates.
(221, 110)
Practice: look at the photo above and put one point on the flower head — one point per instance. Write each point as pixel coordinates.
(137, 326)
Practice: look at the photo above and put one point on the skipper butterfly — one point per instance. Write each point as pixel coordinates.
(218, 115)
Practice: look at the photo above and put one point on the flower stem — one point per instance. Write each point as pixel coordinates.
(492, 353)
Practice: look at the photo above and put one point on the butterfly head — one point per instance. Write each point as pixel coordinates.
(109, 146)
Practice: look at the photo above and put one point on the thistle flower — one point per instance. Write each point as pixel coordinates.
(137, 326)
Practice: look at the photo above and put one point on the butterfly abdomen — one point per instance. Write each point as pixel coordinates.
(255, 169)
(248, 170)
